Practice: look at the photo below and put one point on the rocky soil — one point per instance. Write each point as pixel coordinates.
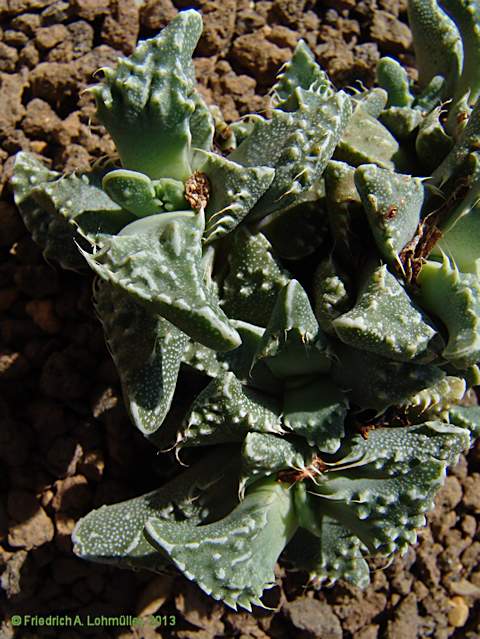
(66, 444)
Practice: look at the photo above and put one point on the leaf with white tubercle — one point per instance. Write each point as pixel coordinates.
(372, 489)
(435, 402)
(264, 454)
(454, 297)
(232, 559)
(331, 291)
(429, 23)
(146, 103)
(384, 320)
(366, 140)
(136, 193)
(366, 378)
(115, 533)
(293, 343)
(332, 553)
(316, 411)
(55, 236)
(297, 144)
(147, 351)
(60, 210)
(300, 71)
(392, 77)
(467, 417)
(392, 202)
(432, 142)
(158, 261)
(226, 410)
(254, 279)
(236, 190)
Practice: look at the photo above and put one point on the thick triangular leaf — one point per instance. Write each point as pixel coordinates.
(384, 320)
(114, 533)
(147, 101)
(296, 144)
(293, 343)
(264, 454)
(232, 559)
(147, 351)
(454, 297)
(467, 417)
(392, 202)
(254, 279)
(317, 412)
(234, 191)
(226, 410)
(158, 261)
(371, 381)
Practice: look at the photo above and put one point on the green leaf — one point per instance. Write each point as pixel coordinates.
(202, 126)
(133, 191)
(264, 454)
(383, 486)
(254, 279)
(158, 261)
(114, 533)
(454, 297)
(392, 202)
(147, 351)
(293, 343)
(429, 24)
(371, 381)
(384, 320)
(296, 144)
(317, 412)
(235, 190)
(300, 71)
(146, 103)
(467, 417)
(55, 236)
(366, 140)
(392, 77)
(226, 410)
(432, 142)
(435, 402)
(232, 559)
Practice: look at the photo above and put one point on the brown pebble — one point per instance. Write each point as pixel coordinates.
(458, 614)
(30, 526)
(43, 314)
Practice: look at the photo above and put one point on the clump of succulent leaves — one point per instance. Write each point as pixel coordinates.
(314, 270)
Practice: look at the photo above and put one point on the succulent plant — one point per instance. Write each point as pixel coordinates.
(316, 268)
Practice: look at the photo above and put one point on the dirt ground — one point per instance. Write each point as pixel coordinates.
(66, 444)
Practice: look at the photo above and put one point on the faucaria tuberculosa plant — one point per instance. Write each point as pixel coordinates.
(317, 269)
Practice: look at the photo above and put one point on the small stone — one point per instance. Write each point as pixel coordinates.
(155, 594)
(314, 618)
(89, 9)
(471, 487)
(48, 37)
(40, 121)
(13, 365)
(394, 36)
(15, 38)
(93, 465)
(43, 314)
(121, 25)
(8, 58)
(72, 495)
(458, 614)
(30, 526)
(469, 523)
